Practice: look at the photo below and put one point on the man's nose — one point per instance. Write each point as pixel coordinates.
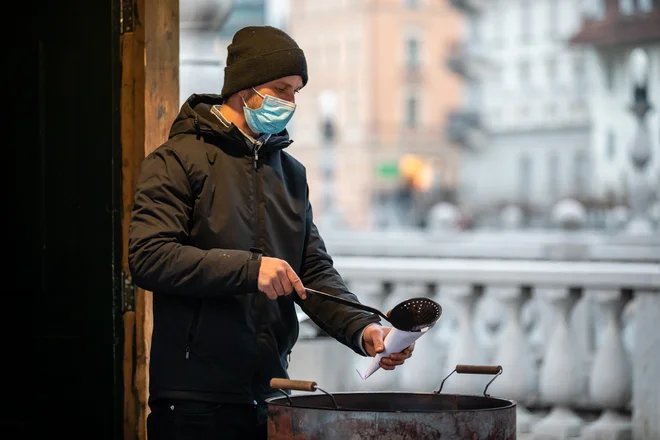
(290, 96)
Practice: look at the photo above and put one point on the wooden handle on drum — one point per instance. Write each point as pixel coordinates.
(288, 384)
(478, 369)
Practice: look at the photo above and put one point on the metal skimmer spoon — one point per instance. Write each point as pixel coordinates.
(411, 315)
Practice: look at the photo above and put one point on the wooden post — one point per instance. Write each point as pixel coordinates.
(149, 104)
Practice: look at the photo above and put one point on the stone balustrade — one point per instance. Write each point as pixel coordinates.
(530, 245)
(577, 340)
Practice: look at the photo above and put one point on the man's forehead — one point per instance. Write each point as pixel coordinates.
(295, 81)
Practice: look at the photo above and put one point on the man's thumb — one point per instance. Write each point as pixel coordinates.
(297, 283)
(377, 338)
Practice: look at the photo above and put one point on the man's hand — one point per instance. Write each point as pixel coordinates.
(372, 340)
(276, 278)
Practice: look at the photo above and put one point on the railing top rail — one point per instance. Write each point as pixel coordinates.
(605, 275)
(536, 246)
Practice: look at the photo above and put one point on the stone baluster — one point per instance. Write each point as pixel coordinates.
(646, 364)
(537, 318)
(583, 326)
(513, 352)
(466, 347)
(628, 315)
(445, 332)
(610, 382)
(490, 315)
(561, 381)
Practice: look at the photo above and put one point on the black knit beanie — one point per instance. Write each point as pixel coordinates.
(259, 54)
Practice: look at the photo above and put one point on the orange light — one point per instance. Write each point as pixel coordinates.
(416, 172)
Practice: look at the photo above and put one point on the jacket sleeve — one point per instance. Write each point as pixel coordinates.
(159, 254)
(341, 322)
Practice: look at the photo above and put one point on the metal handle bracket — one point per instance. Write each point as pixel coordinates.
(300, 385)
(474, 369)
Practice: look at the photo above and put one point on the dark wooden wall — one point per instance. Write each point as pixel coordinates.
(62, 346)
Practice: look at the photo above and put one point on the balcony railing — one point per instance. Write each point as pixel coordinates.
(465, 128)
(468, 59)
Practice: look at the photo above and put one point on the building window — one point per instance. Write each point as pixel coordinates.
(551, 67)
(553, 18)
(524, 75)
(608, 71)
(474, 98)
(645, 5)
(525, 176)
(580, 173)
(627, 7)
(579, 72)
(553, 175)
(412, 53)
(610, 148)
(411, 111)
(525, 19)
(496, 76)
(495, 22)
(475, 26)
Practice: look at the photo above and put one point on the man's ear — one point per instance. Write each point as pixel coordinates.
(244, 94)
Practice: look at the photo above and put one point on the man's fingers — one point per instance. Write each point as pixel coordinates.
(392, 362)
(403, 355)
(277, 286)
(283, 278)
(386, 365)
(270, 293)
(296, 283)
(399, 357)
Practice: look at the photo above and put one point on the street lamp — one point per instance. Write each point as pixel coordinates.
(641, 190)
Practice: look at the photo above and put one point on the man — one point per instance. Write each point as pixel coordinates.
(222, 233)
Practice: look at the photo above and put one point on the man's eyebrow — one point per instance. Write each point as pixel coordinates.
(286, 85)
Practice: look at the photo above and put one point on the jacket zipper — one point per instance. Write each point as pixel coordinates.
(192, 330)
(255, 174)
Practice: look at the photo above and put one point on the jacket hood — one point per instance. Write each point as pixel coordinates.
(195, 117)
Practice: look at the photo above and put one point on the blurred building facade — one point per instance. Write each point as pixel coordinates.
(524, 127)
(612, 29)
(546, 112)
(379, 89)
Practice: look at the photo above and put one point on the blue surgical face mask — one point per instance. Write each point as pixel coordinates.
(271, 117)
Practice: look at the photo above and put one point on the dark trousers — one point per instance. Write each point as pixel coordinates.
(189, 420)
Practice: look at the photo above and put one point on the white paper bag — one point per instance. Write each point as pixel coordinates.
(395, 342)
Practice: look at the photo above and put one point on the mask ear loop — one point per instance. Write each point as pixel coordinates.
(262, 102)
(257, 92)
